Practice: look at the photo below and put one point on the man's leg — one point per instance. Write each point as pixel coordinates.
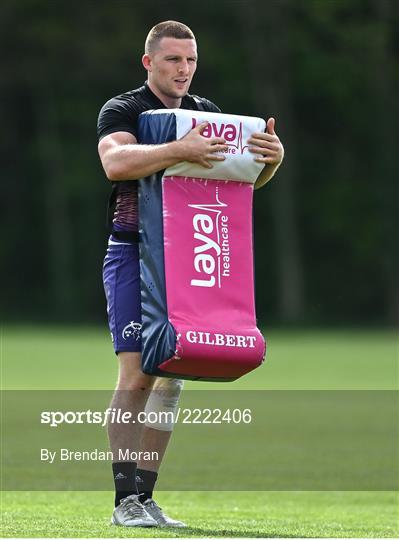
(160, 410)
(131, 394)
(153, 440)
(155, 437)
(156, 441)
(157, 432)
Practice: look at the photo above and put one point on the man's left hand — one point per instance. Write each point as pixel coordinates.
(267, 145)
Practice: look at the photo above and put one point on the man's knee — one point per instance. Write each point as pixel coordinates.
(162, 403)
(131, 376)
(167, 386)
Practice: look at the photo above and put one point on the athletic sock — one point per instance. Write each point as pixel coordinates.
(145, 481)
(125, 479)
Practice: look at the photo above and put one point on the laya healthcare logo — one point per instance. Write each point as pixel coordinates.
(212, 243)
(132, 329)
(231, 133)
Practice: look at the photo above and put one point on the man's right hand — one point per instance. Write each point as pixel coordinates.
(196, 148)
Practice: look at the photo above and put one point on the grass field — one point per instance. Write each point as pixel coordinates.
(81, 358)
(253, 514)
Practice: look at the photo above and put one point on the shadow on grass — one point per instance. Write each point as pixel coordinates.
(199, 532)
(227, 533)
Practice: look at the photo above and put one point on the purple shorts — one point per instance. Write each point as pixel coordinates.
(121, 278)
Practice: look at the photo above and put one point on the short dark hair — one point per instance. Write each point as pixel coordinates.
(173, 29)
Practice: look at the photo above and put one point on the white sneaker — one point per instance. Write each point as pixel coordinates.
(131, 513)
(160, 517)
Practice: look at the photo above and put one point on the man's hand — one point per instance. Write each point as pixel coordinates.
(269, 151)
(267, 145)
(196, 148)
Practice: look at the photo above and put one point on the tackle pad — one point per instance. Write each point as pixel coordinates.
(196, 253)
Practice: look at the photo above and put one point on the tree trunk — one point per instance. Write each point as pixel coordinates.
(385, 122)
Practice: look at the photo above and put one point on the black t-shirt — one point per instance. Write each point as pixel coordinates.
(121, 112)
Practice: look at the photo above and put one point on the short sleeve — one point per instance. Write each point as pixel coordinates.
(206, 104)
(117, 115)
(211, 107)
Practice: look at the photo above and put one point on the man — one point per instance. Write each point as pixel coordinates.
(170, 60)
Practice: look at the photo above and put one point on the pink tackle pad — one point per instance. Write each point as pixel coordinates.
(199, 277)
(209, 276)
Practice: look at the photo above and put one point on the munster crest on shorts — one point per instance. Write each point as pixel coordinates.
(132, 329)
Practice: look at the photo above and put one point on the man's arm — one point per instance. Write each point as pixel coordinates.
(124, 159)
(270, 150)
